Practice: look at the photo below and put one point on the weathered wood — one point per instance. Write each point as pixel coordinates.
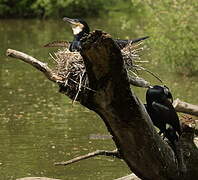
(35, 63)
(181, 106)
(122, 112)
(139, 82)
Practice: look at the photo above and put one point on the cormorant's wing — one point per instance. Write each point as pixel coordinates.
(75, 46)
(172, 117)
(122, 43)
(157, 116)
(159, 107)
(58, 44)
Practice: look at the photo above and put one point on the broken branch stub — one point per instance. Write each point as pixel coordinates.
(184, 107)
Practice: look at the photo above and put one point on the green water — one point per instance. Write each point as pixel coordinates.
(39, 126)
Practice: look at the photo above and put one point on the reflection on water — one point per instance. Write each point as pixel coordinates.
(39, 126)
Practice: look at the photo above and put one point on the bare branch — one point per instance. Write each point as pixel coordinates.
(35, 63)
(184, 107)
(113, 153)
(139, 82)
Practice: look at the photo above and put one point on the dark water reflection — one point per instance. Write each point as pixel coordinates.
(39, 126)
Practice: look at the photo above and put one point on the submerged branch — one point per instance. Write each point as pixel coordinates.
(35, 63)
(113, 153)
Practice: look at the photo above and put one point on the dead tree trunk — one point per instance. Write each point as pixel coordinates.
(138, 143)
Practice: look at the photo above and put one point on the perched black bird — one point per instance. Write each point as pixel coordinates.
(80, 28)
(161, 111)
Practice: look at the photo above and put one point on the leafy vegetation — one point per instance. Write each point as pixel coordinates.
(51, 8)
(173, 27)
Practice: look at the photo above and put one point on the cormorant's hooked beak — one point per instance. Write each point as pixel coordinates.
(76, 25)
(71, 21)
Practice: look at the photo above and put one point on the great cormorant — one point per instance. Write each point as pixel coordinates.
(80, 28)
(161, 111)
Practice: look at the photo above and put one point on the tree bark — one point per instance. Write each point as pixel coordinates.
(144, 151)
(122, 112)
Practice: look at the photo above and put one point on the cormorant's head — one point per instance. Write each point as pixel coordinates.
(168, 93)
(78, 25)
(158, 94)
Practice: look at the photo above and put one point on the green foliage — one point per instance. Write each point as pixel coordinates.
(13, 8)
(52, 8)
(173, 27)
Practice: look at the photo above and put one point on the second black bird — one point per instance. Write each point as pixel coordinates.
(161, 111)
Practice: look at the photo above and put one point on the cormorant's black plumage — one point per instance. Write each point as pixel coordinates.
(122, 43)
(80, 28)
(161, 111)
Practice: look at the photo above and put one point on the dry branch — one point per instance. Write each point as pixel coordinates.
(35, 63)
(139, 82)
(181, 106)
(114, 153)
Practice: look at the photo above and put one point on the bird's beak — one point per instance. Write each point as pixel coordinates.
(71, 21)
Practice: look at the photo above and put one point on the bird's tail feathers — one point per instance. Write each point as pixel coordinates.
(139, 39)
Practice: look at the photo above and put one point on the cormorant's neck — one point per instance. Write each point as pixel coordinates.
(78, 36)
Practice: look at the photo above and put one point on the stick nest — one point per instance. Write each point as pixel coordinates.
(70, 66)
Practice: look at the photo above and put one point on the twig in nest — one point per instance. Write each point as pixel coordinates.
(144, 69)
(113, 153)
(70, 66)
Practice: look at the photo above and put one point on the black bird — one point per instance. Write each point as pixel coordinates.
(80, 28)
(161, 111)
